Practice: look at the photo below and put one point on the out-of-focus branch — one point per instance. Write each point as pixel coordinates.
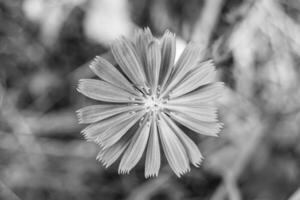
(51, 124)
(232, 188)
(280, 20)
(148, 189)
(243, 159)
(51, 147)
(35, 123)
(296, 195)
(6, 193)
(229, 187)
(207, 21)
(17, 122)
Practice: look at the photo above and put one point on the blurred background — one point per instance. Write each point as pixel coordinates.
(46, 46)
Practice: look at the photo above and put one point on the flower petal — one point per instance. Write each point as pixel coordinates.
(107, 72)
(205, 128)
(201, 75)
(136, 148)
(188, 60)
(103, 91)
(153, 63)
(95, 113)
(127, 58)
(114, 133)
(173, 148)
(142, 40)
(110, 155)
(93, 131)
(192, 150)
(168, 51)
(206, 113)
(207, 93)
(152, 163)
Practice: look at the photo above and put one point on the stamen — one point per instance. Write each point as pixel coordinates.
(153, 104)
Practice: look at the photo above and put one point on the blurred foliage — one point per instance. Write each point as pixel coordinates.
(46, 45)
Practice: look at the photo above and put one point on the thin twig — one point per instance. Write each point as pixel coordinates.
(147, 190)
(245, 157)
(296, 195)
(6, 193)
(51, 147)
(207, 21)
(18, 123)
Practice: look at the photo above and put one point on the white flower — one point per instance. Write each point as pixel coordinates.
(142, 102)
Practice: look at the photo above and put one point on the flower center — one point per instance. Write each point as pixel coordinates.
(152, 103)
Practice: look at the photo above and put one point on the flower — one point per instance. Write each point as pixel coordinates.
(143, 101)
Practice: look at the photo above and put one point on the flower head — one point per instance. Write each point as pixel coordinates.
(143, 101)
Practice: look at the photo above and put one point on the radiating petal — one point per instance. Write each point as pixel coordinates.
(168, 51)
(107, 72)
(95, 113)
(153, 63)
(152, 163)
(136, 148)
(127, 58)
(192, 150)
(142, 39)
(188, 60)
(205, 128)
(203, 74)
(206, 113)
(103, 91)
(93, 131)
(114, 133)
(173, 148)
(207, 93)
(192, 54)
(110, 155)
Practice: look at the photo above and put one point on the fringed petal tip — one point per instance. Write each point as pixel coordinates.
(78, 113)
(152, 175)
(220, 86)
(79, 118)
(198, 164)
(221, 126)
(100, 159)
(181, 173)
(123, 171)
(147, 29)
(142, 31)
(88, 138)
(79, 86)
(85, 130)
(168, 33)
(218, 129)
(94, 62)
(105, 164)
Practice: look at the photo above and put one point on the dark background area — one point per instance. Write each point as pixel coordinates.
(46, 46)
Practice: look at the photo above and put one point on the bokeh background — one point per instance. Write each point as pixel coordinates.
(46, 46)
